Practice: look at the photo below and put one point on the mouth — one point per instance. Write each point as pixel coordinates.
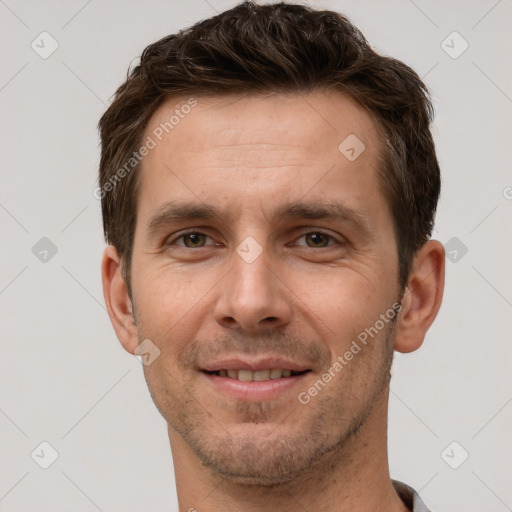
(264, 379)
(258, 375)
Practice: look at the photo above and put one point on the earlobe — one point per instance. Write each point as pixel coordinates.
(422, 297)
(117, 299)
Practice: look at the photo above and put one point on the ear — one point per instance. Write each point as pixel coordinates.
(422, 297)
(117, 300)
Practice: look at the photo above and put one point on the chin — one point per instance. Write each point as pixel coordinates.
(268, 471)
(254, 457)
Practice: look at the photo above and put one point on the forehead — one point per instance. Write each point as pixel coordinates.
(231, 147)
(313, 122)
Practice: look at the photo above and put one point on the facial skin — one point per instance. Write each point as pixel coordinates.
(262, 167)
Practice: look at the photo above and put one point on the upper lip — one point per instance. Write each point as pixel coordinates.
(265, 363)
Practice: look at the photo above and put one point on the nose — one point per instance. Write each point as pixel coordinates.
(253, 298)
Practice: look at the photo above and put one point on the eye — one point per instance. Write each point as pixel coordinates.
(192, 240)
(317, 239)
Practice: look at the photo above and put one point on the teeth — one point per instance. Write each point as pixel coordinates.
(258, 376)
(245, 375)
(276, 373)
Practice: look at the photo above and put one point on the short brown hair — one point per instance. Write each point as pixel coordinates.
(283, 48)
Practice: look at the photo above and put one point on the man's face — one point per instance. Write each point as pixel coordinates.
(260, 247)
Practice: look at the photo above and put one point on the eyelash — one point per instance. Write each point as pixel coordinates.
(319, 232)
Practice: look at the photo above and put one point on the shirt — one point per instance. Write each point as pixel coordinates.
(410, 497)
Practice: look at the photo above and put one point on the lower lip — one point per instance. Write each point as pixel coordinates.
(262, 390)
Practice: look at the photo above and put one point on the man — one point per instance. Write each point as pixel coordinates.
(269, 185)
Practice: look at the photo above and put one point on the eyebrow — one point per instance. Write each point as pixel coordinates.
(177, 211)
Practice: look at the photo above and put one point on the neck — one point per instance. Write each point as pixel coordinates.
(354, 477)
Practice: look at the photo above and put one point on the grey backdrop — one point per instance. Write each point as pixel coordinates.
(66, 381)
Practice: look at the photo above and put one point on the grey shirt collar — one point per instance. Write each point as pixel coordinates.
(410, 497)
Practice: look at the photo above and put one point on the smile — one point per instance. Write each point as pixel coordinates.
(257, 385)
(256, 376)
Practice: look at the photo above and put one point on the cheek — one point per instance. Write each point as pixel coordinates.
(332, 289)
(171, 307)
(164, 294)
(342, 305)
